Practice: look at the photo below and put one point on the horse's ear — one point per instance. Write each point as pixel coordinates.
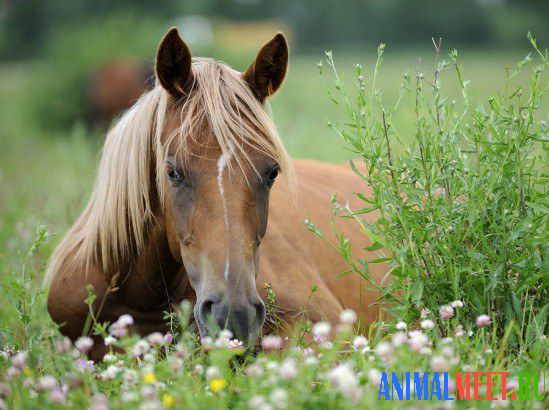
(268, 70)
(173, 64)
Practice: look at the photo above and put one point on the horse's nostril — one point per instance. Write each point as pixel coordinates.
(206, 310)
(260, 312)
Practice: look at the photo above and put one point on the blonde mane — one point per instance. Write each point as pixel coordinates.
(112, 227)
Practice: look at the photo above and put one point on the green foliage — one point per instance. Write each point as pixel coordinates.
(461, 202)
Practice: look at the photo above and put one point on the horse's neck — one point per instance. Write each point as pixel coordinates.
(154, 278)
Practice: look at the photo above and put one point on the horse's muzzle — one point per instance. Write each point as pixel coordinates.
(243, 320)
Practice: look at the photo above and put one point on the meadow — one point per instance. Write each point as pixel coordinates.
(486, 321)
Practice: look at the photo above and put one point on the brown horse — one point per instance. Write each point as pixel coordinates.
(180, 205)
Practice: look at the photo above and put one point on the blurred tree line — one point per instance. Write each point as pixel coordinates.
(28, 26)
(67, 41)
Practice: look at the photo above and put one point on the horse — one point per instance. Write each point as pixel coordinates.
(184, 199)
(115, 87)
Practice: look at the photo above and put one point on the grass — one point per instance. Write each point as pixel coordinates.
(46, 176)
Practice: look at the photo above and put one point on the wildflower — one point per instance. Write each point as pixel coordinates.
(84, 365)
(344, 379)
(226, 333)
(427, 324)
(207, 343)
(446, 340)
(279, 397)
(63, 346)
(175, 363)
(19, 361)
(439, 364)
(399, 338)
(109, 340)
(213, 372)
(148, 392)
(99, 402)
(361, 343)
(457, 304)
(109, 358)
(483, 320)
(156, 338)
(425, 312)
(256, 402)
(130, 376)
(348, 316)
(425, 351)
(46, 383)
(384, 350)
(168, 400)
(254, 370)
(235, 344)
(217, 385)
(459, 331)
(446, 311)
(110, 372)
(288, 369)
(447, 351)
(271, 342)
(84, 343)
(199, 370)
(223, 342)
(168, 339)
(58, 396)
(374, 377)
(310, 361)
(321, 331)
(417, 341)
(401, 326)
(149, 378)
(140, 348)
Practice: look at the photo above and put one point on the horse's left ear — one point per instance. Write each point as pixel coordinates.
(173, 64)
(268, 70)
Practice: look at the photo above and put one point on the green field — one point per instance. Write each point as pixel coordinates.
(480, 253)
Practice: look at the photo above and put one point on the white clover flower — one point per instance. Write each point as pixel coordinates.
(446, 340)
(446, 312)
(483, 320)
(125, 320)
(199, 370)
(348, 316)
(19, 360)
(401, 326)
(110, 372)
(140, 348)
(399, 338)
(360, 343)
(344, 379)
(207, 343)
(427, 324)
(109, 358)
(447, 351)
(384, 350)
(255, 370)
(374, 377)
(279, 398)
(222, 342)
(84, 343)
(321, 330)
(425, 351)
(46, 383)
(156, 338)
(175, 363)
(63, 346)
(288, 369)
(457, 304)
(417, 340)
(213, 372)
(235, 344)
(226, 333)
(271, 342)
(109, 340)
(439, 364)
(310, 361)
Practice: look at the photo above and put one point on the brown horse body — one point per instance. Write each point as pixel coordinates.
(162, 226)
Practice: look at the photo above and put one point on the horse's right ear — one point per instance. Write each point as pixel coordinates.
(173, 64)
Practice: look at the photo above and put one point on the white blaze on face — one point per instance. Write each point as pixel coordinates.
(221, 165)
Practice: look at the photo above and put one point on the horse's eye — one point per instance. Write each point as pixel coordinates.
(174, 176)
(272, 176)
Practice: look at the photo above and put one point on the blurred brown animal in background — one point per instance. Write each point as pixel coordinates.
(115, 87)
